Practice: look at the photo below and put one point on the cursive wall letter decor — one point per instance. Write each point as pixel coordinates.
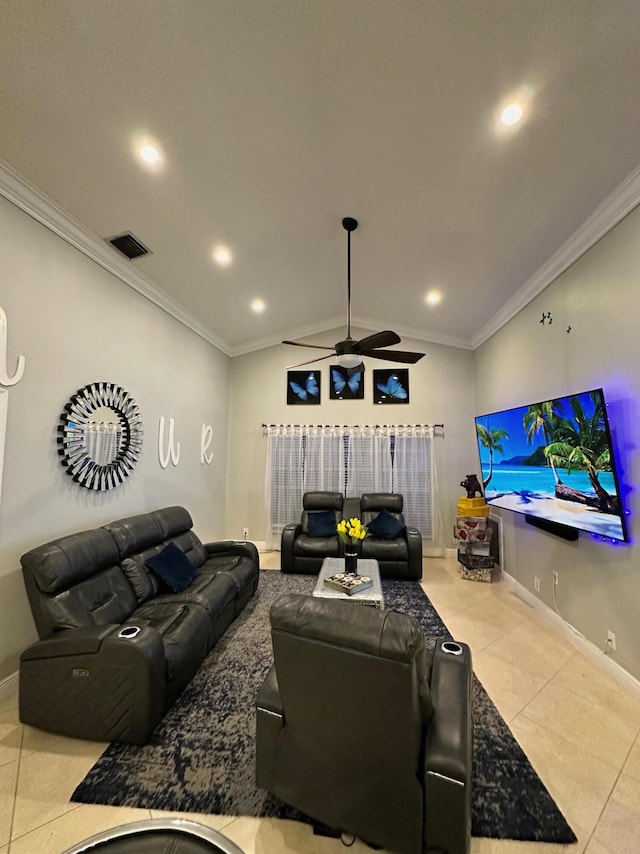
(172, 451)
(100, 436)
(206, 438)
(6, 380)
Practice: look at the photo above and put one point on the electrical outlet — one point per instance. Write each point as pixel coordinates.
(555, 579)
(245, 533)
(611, 640)
(536, 584)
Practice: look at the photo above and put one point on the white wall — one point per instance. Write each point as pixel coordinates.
(441, 391)
(76, 324)
(599, 584)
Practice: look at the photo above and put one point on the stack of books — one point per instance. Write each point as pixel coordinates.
(348, 583)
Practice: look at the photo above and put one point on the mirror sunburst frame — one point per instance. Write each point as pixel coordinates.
(100, 436)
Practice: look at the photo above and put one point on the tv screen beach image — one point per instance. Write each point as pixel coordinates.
(554, 460)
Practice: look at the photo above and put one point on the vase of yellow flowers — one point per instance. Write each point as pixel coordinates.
(351, 532)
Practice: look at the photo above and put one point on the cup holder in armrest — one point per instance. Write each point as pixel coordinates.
(451, 647)
(129, 632)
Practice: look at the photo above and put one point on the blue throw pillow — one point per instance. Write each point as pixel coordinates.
(321, 523)
(173, 567)
(385, 526)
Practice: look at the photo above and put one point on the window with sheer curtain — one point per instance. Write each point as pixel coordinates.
(351, 460)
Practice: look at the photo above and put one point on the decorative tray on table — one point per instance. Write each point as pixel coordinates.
(348, 583)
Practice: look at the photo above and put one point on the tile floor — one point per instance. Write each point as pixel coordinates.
(579, 727)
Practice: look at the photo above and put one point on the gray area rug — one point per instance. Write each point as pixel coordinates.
(201, 756)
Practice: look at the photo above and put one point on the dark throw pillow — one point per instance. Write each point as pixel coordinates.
(385, 526)
(173, 567)
(321, 523)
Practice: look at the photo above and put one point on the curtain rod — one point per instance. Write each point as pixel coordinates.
(355, 426)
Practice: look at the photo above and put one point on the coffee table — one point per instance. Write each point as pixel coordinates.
(370, 596)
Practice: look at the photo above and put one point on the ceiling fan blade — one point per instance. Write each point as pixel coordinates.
(310, 362)
(378, 339)
(394, 355)
(313, 346)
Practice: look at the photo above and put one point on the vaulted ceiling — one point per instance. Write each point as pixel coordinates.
(274, 119)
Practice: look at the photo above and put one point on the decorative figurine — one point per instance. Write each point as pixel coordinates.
(472, 485)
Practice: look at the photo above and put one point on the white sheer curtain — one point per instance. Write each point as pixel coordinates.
(324, 460)
(414, 476)
(283, 480)
(368, 461)
(351, 460)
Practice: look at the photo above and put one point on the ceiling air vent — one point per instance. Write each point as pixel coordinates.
(129, 245)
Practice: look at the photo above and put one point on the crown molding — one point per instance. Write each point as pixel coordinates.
(367, 324)
(427, 335)
(299, 332)
(606, 216)
(34, 202)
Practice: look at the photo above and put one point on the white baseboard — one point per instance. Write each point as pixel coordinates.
(575, 638)
(8, 686)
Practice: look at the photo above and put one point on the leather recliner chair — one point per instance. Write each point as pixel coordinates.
(400, 556)
(303, 553)
(364, 730)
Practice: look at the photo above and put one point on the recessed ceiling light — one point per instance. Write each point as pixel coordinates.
(150, 154)
(433, 297)
(222, 255)
(148, 150)
(258, 306)
(511, 114)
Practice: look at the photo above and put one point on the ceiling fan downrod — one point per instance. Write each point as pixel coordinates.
(349, 224)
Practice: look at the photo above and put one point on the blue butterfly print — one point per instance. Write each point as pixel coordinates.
(393, 388)
(339, 381)
(310, 387)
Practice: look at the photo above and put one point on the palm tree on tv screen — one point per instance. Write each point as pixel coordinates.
(543, 418)
(491, 439)
(582, 443)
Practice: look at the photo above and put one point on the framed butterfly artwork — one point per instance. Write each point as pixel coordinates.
(345, 387)
(303, 388)
(391, 386)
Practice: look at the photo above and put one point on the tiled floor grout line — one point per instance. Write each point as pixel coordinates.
(615, 783)
(530, 672)
(15, 791)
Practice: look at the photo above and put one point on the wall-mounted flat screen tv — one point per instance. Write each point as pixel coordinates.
(554, 460)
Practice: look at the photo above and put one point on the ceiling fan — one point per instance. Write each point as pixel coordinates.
(349, 352)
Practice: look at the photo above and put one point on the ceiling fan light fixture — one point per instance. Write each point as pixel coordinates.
(349, 360)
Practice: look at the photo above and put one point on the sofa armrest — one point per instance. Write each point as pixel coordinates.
(93, 682)
(414, 550)
(448, 750)
(269, 724)
(233, 547)
(289, 534)
(85, 640)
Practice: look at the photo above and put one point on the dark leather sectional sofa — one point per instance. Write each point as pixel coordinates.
(117, 646)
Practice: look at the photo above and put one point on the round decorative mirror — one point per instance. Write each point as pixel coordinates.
(100, 436)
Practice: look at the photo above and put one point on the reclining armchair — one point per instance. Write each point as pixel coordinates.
(398, 549)
(306, 544)
(364, 730)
